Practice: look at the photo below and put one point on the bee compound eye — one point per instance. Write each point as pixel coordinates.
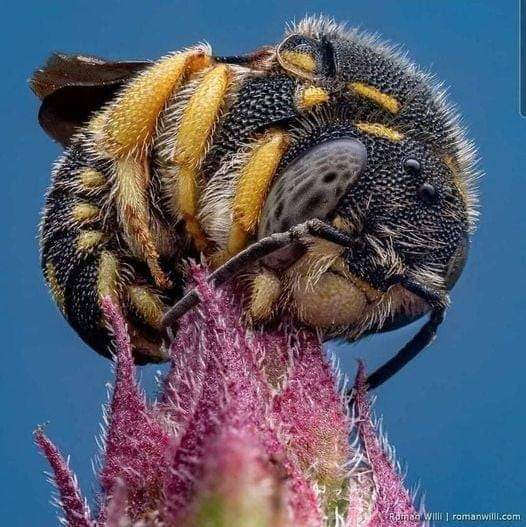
(428, 193)
(312, 184)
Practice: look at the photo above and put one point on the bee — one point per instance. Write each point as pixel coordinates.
(327, 172)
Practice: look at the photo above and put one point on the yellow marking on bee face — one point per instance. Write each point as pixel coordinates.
(108, 275)
(265, 292)
(147, 304)
(84, 212)
(56, 291)
(88, 240)
(253, 184)
(312, 96)
(131, 120)
(304, 61)
(388, 102)
(380, 130)
(200, 115)
(91, 178)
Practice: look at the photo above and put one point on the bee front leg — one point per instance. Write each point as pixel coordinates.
(299, 234)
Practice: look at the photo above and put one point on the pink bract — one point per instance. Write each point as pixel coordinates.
(250, 429)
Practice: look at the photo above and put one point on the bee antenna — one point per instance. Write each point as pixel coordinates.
(434, 297)
(419, 342)
(439, 301)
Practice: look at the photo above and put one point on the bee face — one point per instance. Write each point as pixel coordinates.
(408, 205)
(410, 218)
(405, 204)
(400, 202)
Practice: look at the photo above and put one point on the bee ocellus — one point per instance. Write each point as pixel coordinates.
(327, 171)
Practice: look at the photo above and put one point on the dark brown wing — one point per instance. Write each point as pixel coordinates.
(72, 87)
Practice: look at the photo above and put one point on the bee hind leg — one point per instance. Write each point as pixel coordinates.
(124, 133)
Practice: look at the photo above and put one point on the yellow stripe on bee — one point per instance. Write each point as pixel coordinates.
(84, 212)
(130, 122)
(88, 240)
(252, 186)
(312, 96)
(108, 275)
(200, 115)
(380, 130)
(388, 102)
(56, 291)
(91, 179)
(300, 60)
(147, 304)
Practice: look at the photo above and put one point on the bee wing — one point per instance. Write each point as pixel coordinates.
(72, 87)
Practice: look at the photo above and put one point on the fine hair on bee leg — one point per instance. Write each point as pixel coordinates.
(124, 133)
(255, 252)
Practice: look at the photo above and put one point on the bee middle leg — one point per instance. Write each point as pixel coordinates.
(192, 138)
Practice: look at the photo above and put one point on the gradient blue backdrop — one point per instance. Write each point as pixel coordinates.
(455, 415)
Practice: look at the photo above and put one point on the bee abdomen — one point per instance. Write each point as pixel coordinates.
(74, 236)
(85, 258)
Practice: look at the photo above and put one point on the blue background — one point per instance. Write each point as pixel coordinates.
(455, 415)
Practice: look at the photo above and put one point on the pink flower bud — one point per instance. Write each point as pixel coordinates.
(250, 429)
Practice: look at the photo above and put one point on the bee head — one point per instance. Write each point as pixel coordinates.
(384, 160)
